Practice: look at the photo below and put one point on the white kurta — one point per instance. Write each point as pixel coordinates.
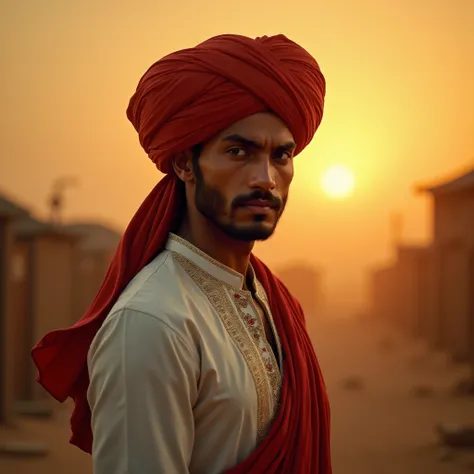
(182, 379)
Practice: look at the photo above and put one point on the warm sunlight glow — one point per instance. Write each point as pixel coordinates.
(338, 182)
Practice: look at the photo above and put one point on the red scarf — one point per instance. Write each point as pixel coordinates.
(299, 439)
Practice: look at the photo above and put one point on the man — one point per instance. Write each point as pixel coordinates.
(194, 358)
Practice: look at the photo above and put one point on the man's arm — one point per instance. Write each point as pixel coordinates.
(143, 384)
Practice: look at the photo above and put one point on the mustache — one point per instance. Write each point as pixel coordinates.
(274, 201)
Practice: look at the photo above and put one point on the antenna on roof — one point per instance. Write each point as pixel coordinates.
(56, 198)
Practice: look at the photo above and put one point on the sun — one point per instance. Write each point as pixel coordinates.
(338, 182)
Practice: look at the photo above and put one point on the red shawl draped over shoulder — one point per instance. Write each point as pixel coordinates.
(182, 100)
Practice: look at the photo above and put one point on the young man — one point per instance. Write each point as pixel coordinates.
(194, 358)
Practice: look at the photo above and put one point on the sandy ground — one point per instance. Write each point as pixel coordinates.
(380, 428)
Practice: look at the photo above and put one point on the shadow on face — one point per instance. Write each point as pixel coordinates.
(242, 177)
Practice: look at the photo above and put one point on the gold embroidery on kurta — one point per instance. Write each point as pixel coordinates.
(255, 326)
(267, 379)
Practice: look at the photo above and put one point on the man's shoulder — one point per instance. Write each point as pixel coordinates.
(155, 289)
(159, 293)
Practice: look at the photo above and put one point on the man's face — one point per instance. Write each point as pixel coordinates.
(243, 175)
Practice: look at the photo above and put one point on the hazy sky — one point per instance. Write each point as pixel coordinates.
(399, 110)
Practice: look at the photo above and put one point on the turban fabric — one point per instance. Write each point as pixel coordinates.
(183, 100)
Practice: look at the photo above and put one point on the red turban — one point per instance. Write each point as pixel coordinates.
(219, 82)
(181, 101)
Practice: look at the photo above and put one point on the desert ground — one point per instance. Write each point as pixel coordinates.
(388, 393)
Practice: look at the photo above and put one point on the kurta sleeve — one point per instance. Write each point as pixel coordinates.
(143, 385)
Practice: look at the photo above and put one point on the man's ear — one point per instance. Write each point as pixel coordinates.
(183, 166)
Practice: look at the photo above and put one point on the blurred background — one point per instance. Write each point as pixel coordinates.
(377, 240)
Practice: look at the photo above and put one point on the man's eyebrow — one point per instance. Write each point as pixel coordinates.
(239, 139)
(287, 146)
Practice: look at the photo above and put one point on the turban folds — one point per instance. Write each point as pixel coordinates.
(183, 100)
(189, 96)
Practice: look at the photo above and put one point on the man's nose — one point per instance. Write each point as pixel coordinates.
(263, 176)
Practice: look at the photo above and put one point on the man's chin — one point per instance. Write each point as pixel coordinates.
(249, 234)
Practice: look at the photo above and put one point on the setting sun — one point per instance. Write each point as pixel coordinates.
(338, 182)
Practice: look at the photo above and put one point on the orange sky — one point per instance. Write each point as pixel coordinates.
(399, 110)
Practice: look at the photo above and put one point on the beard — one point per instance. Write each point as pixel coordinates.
(211, 203)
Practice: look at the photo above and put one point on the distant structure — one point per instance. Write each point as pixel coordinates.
(453, 262)
(428, 292)
(49, 274)
(42, 288)
(305, 283)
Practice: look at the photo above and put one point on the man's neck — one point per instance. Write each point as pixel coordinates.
(230, 252)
